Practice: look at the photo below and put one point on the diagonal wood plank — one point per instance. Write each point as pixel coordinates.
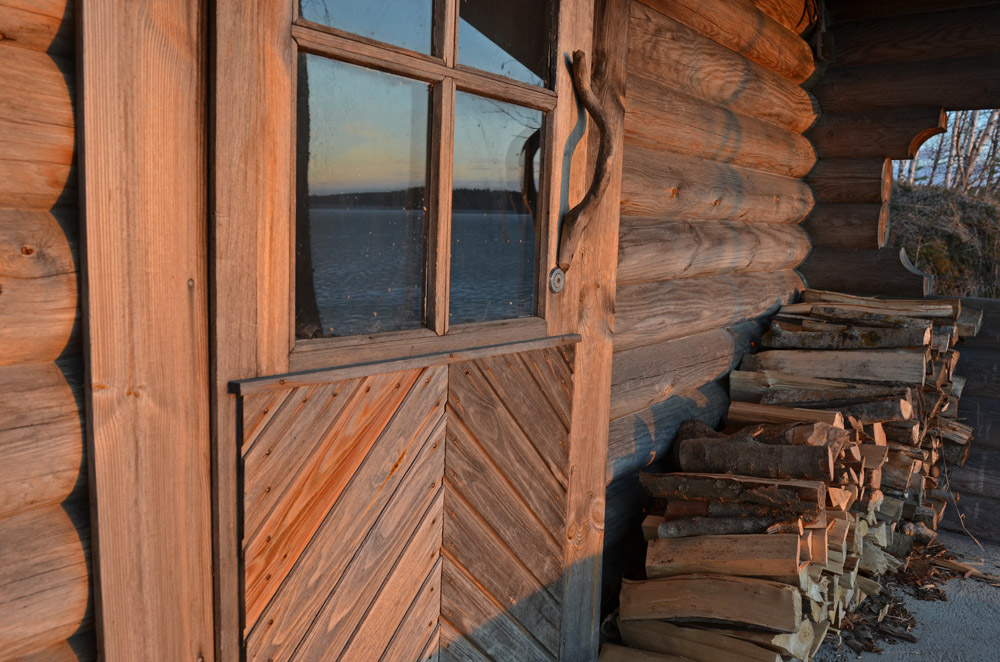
(291, 523)
(412, 524)
(456, 648)
(256, 412)
(471, 398)
(527, 403)
(284, 447)
(483, 622)
(469, 542)
(492, 496)
(377, 488)
(365, 494)
(419, 629)
(554, 378)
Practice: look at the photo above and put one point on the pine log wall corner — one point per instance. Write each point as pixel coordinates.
(420, 511)
(45, 567)
(712, 195)
(893, 69)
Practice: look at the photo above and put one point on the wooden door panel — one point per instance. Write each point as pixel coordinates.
(394, 515)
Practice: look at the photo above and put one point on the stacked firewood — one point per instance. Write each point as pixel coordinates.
(831, 463)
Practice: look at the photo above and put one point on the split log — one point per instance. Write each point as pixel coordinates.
(657, 184)
(685, 527)
(717, 456)
(969, 322)
(653, 249)
(795, 434)
(616, 653)
(637, 440)
(968, 82)
(847, 314)
(796, 15)
(930, 308)
(747, 412)
(879, 410)
(879, 366)
(663, 49)
(743, 28)
(46, 583)
(851, 180)
(797, 644)
(740, 555)
(692, 643)
(835, 397)
(644, 376)
(649, 313)
(895, 134)
(658, 117)
(754, 602)
(956, 33)
(751, 386)
(650, 526)
(848, 224)
(677, 509)
(780, 336)
(804, 498)
(903, 432)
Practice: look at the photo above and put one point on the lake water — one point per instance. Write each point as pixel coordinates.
(368, 268)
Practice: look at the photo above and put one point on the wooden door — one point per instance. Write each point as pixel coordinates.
(414, 510)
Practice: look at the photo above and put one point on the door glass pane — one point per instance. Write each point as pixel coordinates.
(494, 202)
(362, 169)
(405, 23)
(507, 38)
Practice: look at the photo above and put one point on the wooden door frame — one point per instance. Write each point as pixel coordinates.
(251, 217)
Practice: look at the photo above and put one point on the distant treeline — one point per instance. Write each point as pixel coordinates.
(479, 199)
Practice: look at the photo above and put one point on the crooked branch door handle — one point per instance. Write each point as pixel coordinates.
(580, 216)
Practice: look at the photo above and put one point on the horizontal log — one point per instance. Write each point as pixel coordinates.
(651, 250)
(848, 224)
(746, 412)
(35, 87)
(859, 10)
(41, 435)
(45, 579)
(959, 84)
(935, 307)
(878, 366)
(37, 244)
(665, 50)
(41, 318)
(748, 459)
(40, 25)
(840, 397)
(644, 376)
(956, 33)
(750, 386)
(886, 271)
(755, 602)
(660, 118)
(637, 440)
(691, 643)
(743, 28)
(650, 313)
(27, 140)
(802, 498)
(851, 180)
(796, 15)
(35, 184)
(851, 337)
(740, 556)
(893, 134)
(743, 524)
(616, 653)
(664, 185)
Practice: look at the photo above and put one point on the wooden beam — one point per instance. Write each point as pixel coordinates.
(144, 156)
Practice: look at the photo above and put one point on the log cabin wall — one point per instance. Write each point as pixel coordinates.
(978, 481)
(45, 570)
(893, 68)
(712, 192)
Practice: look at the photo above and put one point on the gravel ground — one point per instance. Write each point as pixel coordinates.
(965, 628)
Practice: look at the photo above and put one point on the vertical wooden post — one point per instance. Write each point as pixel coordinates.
(146, 306)
(586, 307)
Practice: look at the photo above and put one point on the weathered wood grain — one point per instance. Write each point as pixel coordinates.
(273, 546)
(28, 140)
(420, 627)
(661, 118)
(40, 316)
(691, 643)
(957, 32)
(665, 185)
(651, 250)
(961, 83)
(894, 134)
(649, 313)
(616, 653)
(795, 15)
(762, 555)
(848, 225)
(554, 372)
(38, 244)
(147, 271)
(40, 25)
(408, 469)
(873, 366)
(36, 87)
(851, 180)
(743, 28)
(45, 580)
(665, 50)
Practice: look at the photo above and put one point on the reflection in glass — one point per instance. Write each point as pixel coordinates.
(362, 169)
(507, 38)
(405, 23)
(494, 202)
